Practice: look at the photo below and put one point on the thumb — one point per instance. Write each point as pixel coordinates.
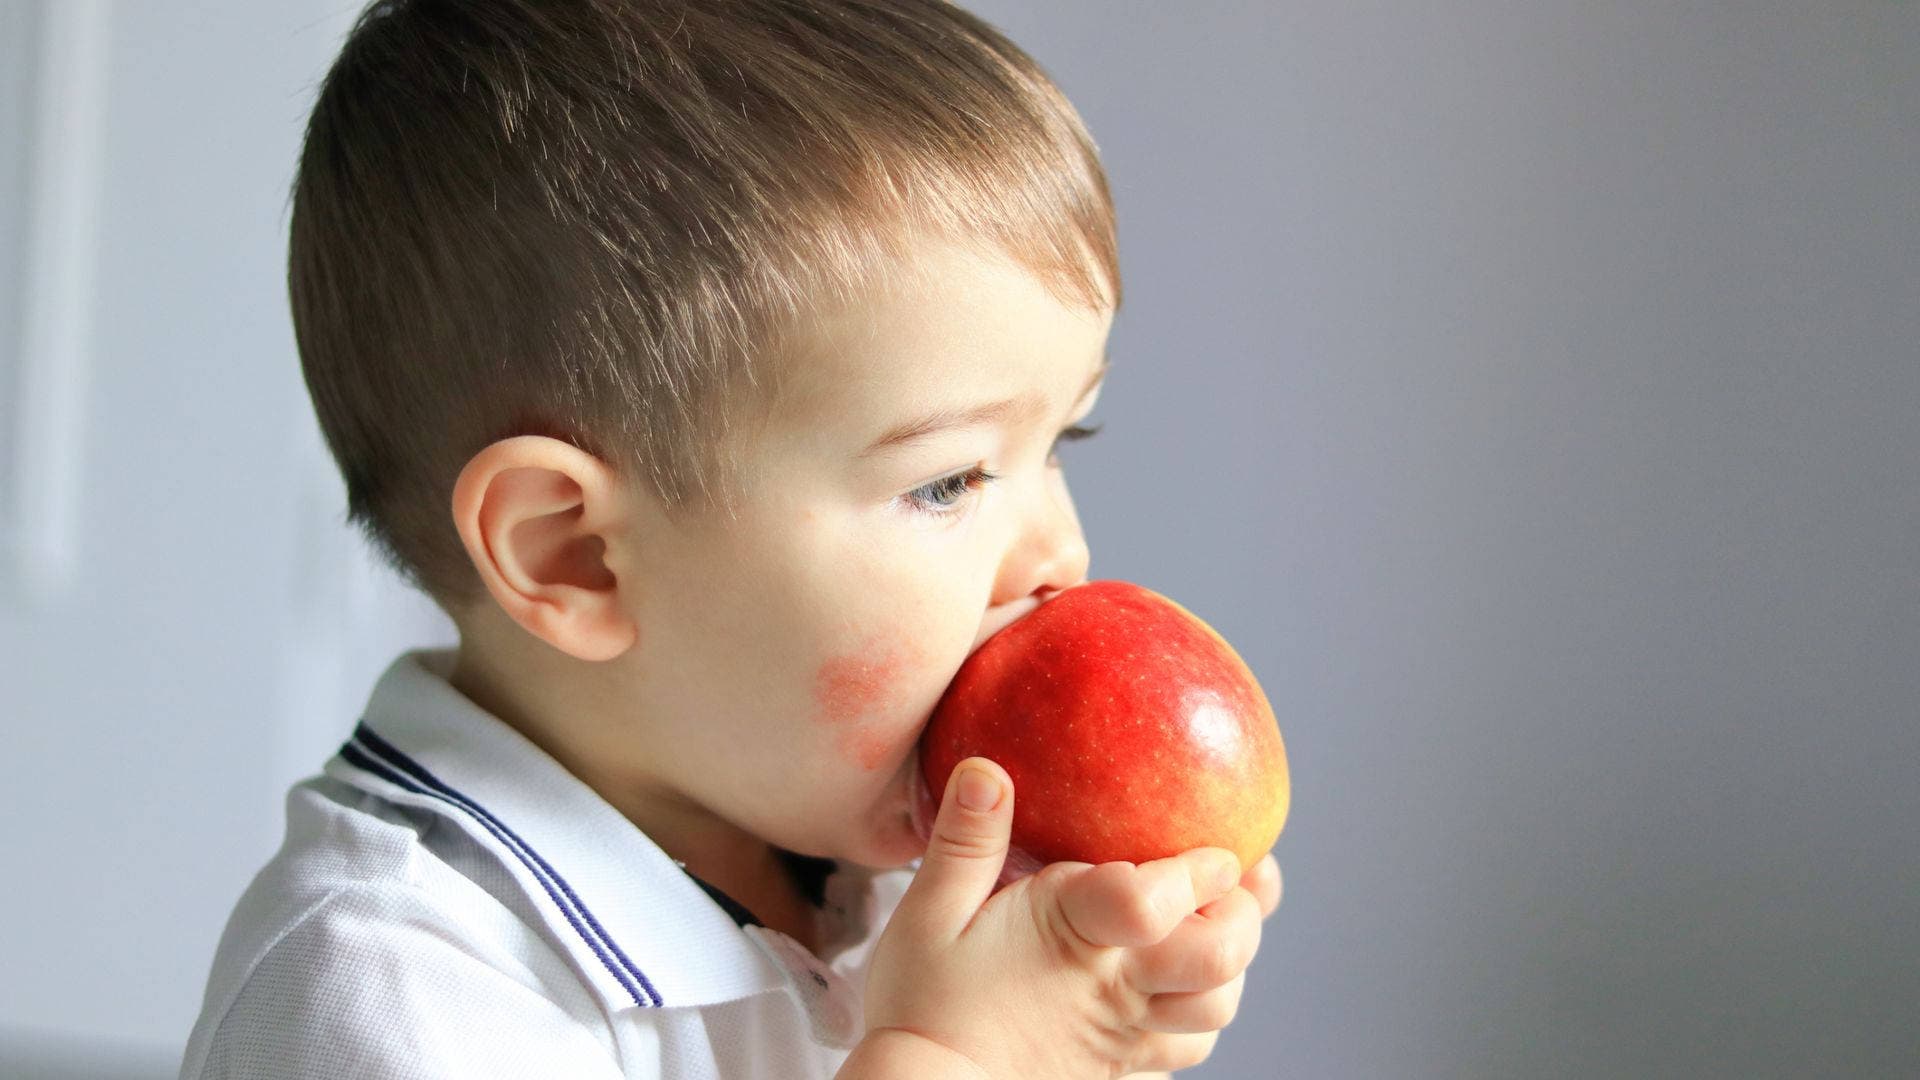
(966, 850)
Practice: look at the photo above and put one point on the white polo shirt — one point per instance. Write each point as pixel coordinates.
(450, 902)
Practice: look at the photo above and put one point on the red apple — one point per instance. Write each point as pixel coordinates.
(1132, 731)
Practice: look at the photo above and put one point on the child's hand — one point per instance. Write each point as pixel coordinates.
(1263, 881)
(1076, 971)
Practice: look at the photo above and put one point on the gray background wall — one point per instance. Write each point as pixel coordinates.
(1528, 390)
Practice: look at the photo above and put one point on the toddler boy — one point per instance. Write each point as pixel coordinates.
(705, 361)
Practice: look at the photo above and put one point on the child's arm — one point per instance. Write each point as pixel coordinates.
(1076, 971)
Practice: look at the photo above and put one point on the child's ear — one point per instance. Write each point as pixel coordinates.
(537, 516)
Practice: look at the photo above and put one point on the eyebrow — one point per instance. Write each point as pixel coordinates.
(1024, 409)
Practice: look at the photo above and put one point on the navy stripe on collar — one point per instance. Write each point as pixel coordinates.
(370, 752)
(734, 908)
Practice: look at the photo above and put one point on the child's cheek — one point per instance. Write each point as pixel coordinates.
(855, 694)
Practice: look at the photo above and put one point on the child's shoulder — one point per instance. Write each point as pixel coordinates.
(354, 939)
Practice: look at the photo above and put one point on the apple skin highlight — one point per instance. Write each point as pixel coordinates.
(1131, 729)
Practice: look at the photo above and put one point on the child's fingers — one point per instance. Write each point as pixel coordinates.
(1263, 881)
(1203, 952)
(1208, 1010)
(1172, 1053)
(1122, 905)
(966, 850)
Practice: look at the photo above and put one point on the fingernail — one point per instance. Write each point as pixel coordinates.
(979, 790)
(1226, 875)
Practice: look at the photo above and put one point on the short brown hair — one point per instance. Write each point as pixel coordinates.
(593, 219)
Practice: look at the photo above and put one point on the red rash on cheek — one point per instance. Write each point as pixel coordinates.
(851, 686)
(865, 749)
(853, 689)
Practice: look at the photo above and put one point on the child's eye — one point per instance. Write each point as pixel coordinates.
(1072, 434)
(943, 497)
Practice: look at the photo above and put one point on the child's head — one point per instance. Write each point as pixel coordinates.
(646, 293)
(605, 220)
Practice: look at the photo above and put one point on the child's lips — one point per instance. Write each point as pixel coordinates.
(921, 807)
(1002, 619)
(1012, 613)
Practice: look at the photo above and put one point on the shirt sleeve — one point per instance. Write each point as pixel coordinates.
(378, 981)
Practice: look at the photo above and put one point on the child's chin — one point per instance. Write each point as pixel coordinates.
(897, 836)
(907, 847)
(892, 845)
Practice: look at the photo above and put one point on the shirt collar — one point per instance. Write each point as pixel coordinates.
(641, 932)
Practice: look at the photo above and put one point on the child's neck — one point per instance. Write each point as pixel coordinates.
(770, 892)
(743, 866)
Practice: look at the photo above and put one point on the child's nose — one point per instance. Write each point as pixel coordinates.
(1049, 554)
